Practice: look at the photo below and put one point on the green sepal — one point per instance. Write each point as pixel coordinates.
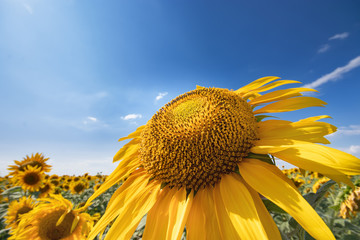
(262, 157)
(259, 118)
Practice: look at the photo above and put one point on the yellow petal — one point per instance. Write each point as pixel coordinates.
(202, 222)
(271, 86)
(126, 198)
(134, 134)
(179, 209)
(275, 170)
(267, 221)
(278, 191)
(305, 151)
(157, 220)
(301, 130)
(291, 104)
(256, 84)
(131, 210)
(122, 170)
(240, 208)
(128, 150)
(315, 118)
(280, 95)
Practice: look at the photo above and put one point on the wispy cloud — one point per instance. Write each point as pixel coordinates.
(28, 8)
(131, 116)
(160, 96)
(93, 119)
(351, 130)
(324, 48)
(336, 74)
(339, 36)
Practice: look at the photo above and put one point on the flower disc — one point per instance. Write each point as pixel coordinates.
(198, 137)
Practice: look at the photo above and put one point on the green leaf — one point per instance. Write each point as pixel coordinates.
(11, 190)
(263, 157)
(272, 207)
(313, 199)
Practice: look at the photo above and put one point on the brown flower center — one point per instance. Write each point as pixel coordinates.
(197, 137)
(48, 229)
(32, 178)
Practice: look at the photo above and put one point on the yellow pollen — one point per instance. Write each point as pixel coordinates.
(197, 137)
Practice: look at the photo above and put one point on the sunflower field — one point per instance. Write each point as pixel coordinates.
(30, 194)
(203, 167)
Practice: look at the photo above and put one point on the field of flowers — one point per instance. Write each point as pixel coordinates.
(30, 190)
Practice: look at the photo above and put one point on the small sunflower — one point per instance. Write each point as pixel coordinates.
(78, 187)
(319, 183)
(46, 189)
(65, 186)
(351, 205)
(37, 160)
(203, 159)
(16, 209)
(30, 179)
(53, 218)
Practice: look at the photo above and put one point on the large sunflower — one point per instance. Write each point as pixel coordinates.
(53, 218)
(17, 209)
(30, 179)
(202, 160)
(37, 160)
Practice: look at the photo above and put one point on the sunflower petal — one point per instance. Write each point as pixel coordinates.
(275, 170)
(202, 222)
(301, 130)
(280, 95)
(244, 216)
(127, 150)
(179, 209)
(132, 210)
(130, 203)
(133, 134)
(291, 104)
(137, 180)
(267, 221)
(256, 84)
(310, 152)
(278, 191)
(122, 170)
(271, 86)
(157, 220)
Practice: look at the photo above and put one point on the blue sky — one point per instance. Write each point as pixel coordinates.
(75, 76)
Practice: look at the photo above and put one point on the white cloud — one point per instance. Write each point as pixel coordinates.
(160, 96)
(324, 48)
(354, 149)
(92, 119)
(348, 131)
(28, 8)
(339, 36)
(131, 116)
(336, 74)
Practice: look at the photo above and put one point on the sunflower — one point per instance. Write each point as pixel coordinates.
(46, 189)
(203, 159)
(351, 204)
(53, 218)
(37, 160)
(30, 179)
(78, 187)
(16, 209)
